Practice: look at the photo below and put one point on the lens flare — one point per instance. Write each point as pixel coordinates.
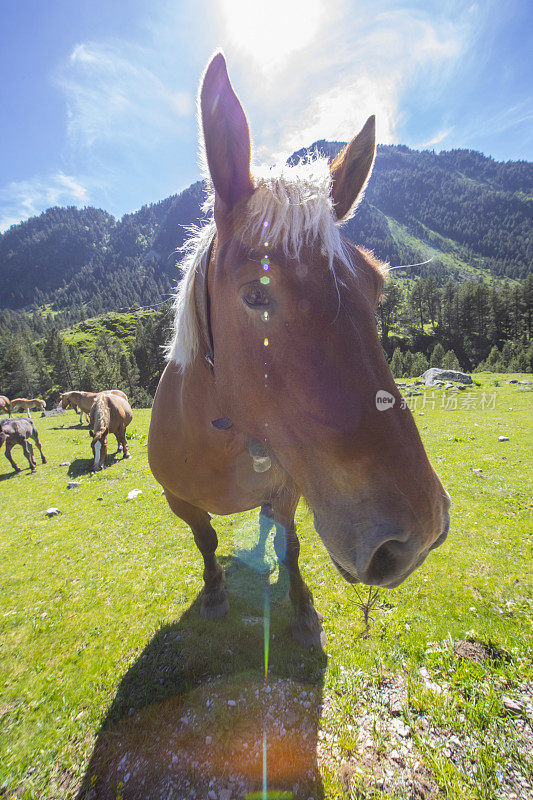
(266, 342)
(265, 280)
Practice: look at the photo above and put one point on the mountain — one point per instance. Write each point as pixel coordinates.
(470, 214)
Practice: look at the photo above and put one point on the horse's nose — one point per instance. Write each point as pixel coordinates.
(390, 560)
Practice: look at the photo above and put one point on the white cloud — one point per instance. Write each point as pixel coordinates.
(331, 87)
(113, 96)
(22, 199)
(437, 139)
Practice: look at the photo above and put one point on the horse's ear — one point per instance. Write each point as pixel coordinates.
(351, 169)
(226, 136)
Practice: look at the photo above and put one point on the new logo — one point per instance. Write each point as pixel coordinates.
(384, 400)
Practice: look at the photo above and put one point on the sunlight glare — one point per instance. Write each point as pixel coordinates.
(269, 32)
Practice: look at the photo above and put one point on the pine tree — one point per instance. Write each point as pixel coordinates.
(494, 361)
(437, 356)
(407, 362)
(419, 365)
(450, 361)
(129, 374)
(396, 364)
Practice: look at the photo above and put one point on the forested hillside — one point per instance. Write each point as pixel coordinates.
(84, 298)
(468, 213)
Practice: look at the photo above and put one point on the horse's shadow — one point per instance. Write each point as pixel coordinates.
(194, 714)
(75, 427)
(7, 475)
(81, 466)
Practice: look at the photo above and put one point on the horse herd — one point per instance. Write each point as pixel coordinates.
(107, 412)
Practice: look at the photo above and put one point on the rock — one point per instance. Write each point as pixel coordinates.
(52, 512)
(503, 438)
(224, 794)
(434, 373)
(73, 484)
(65, 464)
(53, 412)
(513, 381)
(524, 383)
(511, 705)
(134, 493)
(477, 471)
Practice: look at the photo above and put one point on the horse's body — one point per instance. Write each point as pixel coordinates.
(18, 431)
(23, 404)
(82, 402)
(272, 387)
(109, 413)
(5, 407)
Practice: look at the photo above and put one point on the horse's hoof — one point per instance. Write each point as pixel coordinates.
(126, 455)
(44, 460)
(214, 610)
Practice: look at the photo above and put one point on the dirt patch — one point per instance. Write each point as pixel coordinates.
(212, 744)
(474, 650)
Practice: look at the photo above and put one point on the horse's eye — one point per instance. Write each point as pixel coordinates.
(256, 298)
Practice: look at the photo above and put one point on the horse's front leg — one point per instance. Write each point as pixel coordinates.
(306, 623)
(9, 447)
(36, 439)
(214, 595)
(28, 452)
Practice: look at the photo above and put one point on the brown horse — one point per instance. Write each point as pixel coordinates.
(23, 404)
(82, 402)
(109, 413)
(18, 431)
(5, 407)
(276, 374)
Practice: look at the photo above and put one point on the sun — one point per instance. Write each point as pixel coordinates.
(269, 32)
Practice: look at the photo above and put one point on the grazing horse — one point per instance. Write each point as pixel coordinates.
(18, 431)
(275, 377)
(5, 407)
(109, 413)
(82, 402)
(23, 404)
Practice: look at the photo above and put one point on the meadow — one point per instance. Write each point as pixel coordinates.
(114, 687)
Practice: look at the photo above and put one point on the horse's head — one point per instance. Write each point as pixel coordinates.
(297, 360)
(99, 448)
(65, 400)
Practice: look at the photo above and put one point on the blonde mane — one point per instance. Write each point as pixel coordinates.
(296, 202)
(100, 415)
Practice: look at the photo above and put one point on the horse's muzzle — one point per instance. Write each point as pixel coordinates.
(385, 557)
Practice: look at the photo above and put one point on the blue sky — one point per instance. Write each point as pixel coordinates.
(98, 96)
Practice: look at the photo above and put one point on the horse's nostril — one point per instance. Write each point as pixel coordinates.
(386, 563)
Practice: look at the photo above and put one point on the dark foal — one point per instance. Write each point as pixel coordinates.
(17, 431)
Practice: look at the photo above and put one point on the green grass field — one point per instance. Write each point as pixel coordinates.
(114, 687)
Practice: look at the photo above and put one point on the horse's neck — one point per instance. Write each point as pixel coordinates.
(101, 417)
